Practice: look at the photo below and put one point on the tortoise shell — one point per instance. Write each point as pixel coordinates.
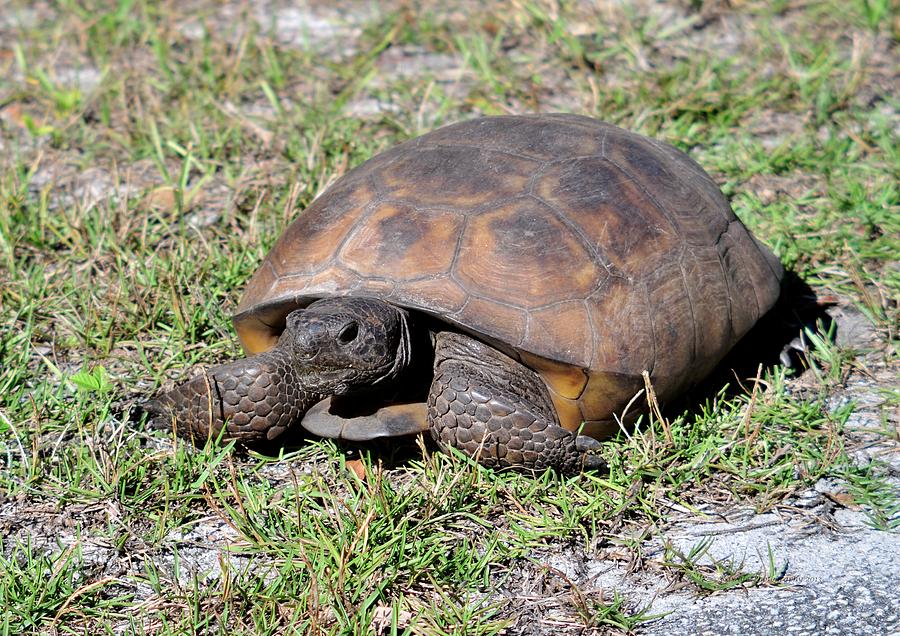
(587, 252)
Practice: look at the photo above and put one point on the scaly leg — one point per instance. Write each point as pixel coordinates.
(498, 411)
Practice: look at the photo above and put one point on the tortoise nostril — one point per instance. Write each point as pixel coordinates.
(304, 345)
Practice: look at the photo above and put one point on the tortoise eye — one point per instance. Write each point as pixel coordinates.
(348, 333)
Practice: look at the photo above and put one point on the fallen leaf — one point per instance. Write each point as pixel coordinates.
(13, 112)
(843, 499)
(161, 199)
(357, 467)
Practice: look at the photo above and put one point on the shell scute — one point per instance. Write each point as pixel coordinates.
(563, 329)
(672, 184)
(525, 253)
(400, 242)
(475, 176)
(626, 226)
(542, 137)
(322, 226)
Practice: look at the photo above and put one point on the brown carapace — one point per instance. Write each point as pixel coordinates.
(555, 247)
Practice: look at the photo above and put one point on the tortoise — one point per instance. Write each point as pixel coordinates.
(503, 282)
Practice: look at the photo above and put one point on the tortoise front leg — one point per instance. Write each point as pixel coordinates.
(253, 399)
(498, 411)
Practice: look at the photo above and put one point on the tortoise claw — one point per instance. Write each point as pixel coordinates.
(588, 447)
(586, 444)
(159, 415)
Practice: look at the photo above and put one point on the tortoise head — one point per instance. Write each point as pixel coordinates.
(342, 344)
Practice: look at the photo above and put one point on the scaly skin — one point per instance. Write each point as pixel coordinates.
(253, 399)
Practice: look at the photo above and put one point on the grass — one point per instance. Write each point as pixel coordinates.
(134, 206)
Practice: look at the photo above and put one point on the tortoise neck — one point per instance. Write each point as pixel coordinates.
(404, 352)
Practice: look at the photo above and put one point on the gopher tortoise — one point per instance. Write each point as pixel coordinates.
(503, 282)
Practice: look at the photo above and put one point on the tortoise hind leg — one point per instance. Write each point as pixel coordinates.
(498, 411)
